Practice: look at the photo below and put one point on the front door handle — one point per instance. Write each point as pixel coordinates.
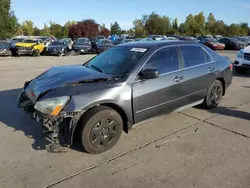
(211, 68)
(178, 78)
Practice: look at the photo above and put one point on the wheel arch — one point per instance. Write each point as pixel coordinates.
(223, 84)
(126, 124)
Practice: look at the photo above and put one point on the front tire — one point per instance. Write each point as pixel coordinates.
(214, 95)
(101, 129)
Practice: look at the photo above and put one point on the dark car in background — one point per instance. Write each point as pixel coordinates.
(5, 48)
(232, 43)
(190, 38)
(15, 40)
(100, 37)
(119, 40)
(103, 45)
(212, 43)
(121, 87)
(59, 48)
(82, 46)
(244, 39)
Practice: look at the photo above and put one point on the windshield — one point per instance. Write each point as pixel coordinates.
(17, 40)
(235, 40)
(212, 40)
(116, 61)
(82, 41)
(104, 42)
(44, 38)
(57, 43)
(100, 37)
(29, 41)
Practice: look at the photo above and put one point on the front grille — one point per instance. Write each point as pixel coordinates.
(23, 48)
(247, 56)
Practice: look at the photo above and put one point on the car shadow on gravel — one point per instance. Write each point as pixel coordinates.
(20, 120)
(228, 111)
(232, 112)
(242, 75)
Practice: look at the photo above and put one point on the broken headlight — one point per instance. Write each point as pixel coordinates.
(51, 106)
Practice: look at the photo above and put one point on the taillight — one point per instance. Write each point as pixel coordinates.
(231, 66)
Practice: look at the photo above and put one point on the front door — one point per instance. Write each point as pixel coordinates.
(160, 95)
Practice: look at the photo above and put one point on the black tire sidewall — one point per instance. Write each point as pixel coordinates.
(36, 53)
(90, 119)
(208, 103)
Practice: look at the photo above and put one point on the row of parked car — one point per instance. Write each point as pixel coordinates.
(45, 45)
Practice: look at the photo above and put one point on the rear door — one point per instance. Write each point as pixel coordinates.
(199, 70)
(160, 95)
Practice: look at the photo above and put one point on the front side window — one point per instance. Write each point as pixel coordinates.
(193, 55)
(164, 61)
(117, 61)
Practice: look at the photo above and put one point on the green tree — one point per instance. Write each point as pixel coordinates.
(182, 28)
(234, 30)
(244, 29)
(56, 30)
(66, 27)
(37, 31)
(211, 24)
(200, 26)
(8, 20)
(220, 28)
(28, 28)
(166, 25)
(175, 24)
(156, 24)
(139, 29)
(189, 25)
(115, 29)
(45, 31)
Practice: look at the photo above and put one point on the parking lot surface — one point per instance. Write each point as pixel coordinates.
(191, 148)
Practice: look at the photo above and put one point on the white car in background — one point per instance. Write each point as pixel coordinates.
(69, 41)
(242, 62)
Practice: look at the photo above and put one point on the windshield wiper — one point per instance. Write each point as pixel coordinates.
(97, 68)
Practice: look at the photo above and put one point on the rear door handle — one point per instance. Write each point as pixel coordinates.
(211, 68)
(178, 78)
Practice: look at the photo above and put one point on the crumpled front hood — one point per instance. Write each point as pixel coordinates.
(59, 76)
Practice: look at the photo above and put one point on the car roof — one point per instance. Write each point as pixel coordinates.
(155, 44)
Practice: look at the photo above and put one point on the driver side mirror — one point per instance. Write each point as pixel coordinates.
(149, 74)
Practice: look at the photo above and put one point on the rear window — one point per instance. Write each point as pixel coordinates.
(193, 55)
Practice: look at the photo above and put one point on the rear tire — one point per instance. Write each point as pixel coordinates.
(101, 129)
(214, 95)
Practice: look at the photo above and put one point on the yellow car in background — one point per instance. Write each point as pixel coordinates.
(29, 47)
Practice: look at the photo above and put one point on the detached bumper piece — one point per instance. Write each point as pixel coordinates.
(54, 131)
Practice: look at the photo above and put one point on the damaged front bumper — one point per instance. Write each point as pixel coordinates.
(58, 130)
